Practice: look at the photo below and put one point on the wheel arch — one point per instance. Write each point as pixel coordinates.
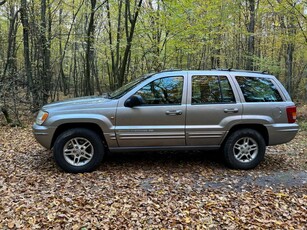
(91, 126)
(258, 127)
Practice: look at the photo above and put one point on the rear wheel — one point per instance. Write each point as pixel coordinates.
(78, 150)
(244, 149)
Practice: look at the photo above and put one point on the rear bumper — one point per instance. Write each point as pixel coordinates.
(43, 135)
(281, 133)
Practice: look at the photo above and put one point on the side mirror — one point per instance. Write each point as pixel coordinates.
(134, 100)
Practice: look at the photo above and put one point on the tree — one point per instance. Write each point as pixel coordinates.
(45, 42)
(50, 50)
(251, 30)
(2, 2)
(26, 54)
(120, 60)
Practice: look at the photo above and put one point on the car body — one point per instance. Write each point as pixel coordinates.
(201, 109)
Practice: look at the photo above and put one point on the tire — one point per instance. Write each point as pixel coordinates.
(78, 150)
(244, 149)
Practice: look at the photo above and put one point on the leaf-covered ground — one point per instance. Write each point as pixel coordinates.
(184, 190)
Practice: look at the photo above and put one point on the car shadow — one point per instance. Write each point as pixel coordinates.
(189, 159)
(165, 159)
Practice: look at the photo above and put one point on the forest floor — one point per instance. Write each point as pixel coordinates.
(181, 190)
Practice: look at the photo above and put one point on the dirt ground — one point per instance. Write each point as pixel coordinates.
(180, 190)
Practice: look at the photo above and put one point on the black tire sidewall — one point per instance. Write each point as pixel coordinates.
(229, 157)
(91, 136)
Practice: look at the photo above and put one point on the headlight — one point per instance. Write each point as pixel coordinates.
(41, 117)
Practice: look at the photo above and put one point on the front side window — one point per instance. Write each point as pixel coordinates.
(258, 89)
(211, 89)
(126, 88)
(163, 91)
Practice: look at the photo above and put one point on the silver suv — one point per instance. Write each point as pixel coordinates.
(239, 112)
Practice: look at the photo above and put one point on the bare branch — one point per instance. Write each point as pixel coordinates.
(1, 3)
(104, 2)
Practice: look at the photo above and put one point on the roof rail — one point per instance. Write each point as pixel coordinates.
(240, 70)
(169, 70)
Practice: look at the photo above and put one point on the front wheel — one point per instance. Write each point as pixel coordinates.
(244, 149)
(78, 150)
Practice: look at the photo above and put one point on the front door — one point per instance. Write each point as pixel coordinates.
(159, 120)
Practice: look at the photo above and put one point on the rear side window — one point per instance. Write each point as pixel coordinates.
(211, 89)
(258, 89)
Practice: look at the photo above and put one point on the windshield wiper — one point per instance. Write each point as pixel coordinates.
(106, 95)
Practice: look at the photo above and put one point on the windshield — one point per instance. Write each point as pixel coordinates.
(125, 88)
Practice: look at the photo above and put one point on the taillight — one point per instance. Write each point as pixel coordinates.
(291, 113)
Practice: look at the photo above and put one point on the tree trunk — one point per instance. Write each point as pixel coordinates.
(289, 60)
(115, 57)
(89, 69)
(26, 53)
(129, 37)
(6, 114)
(45, 48)
(10, 63)
(62, 77)
(251, 37)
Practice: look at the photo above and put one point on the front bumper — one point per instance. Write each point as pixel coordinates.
(43, 135)
(281, 133)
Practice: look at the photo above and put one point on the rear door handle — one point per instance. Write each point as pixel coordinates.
(235, 110)
(173, 112)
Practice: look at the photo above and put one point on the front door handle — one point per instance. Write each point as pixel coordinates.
(235, 110)
(173, 112)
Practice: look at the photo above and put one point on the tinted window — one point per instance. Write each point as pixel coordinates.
(211, 89)
(166, 90)
(125, 88)
(257, 89)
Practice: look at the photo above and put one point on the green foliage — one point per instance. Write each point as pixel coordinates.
(187, 34)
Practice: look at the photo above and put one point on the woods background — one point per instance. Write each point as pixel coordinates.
(52, 49)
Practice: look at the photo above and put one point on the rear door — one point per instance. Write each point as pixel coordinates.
(211, 108)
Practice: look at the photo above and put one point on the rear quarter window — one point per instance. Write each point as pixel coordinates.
(258, 89)
(211, 90)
